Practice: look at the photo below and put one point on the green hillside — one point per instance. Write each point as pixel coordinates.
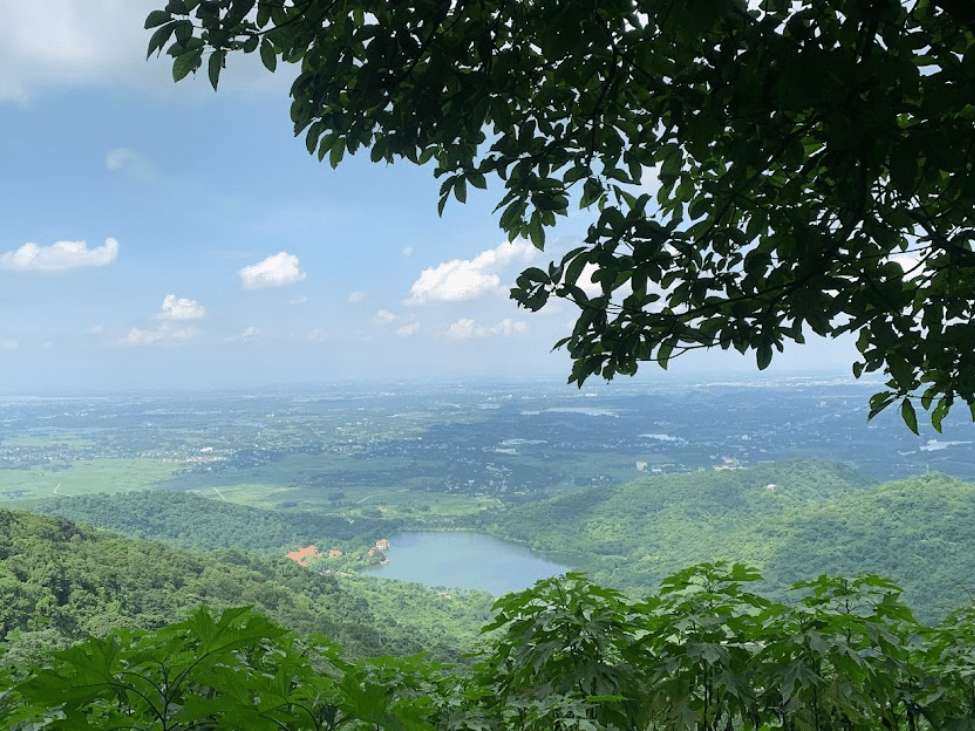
(189, 520)
(920, 532)
(793, 520)
(61, 582)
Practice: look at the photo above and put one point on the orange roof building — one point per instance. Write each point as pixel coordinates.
(303, 554)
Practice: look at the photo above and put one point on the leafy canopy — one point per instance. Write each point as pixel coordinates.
(703, 654)
(755, 170)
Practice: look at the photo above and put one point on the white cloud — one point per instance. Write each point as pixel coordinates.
(316, 336)
(9, 345)
(407, 251)
(278, 270)
(466, 328)
(384, 317)
(59, 257)
(356, 297)
(174, 310)
(101, 42)
(61, 42)
(181, 308)
(409, 329)
(117, 159)
(466, 279)
(250, 333)
(131, 162)
(298, 301)
(95, 330)
(138, 337)
(462, 329)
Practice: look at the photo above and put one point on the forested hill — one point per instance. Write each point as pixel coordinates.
(60, 582)
(794, 520)
(190, 521)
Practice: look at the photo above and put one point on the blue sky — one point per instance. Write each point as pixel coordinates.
(160, 234)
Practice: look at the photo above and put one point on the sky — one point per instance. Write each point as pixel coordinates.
(158, 234)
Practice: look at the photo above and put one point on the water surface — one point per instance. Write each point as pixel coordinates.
(465, 561)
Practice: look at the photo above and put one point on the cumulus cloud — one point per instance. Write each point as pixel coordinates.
(174, 310)
(278, 270)
(59, 257)
(407, 251)
(181, 308)
(9, 345)
(250, 333)
(466, 328)
(316, 336)
(166, 331)
(384, 317)
(466, 279)
(356, 297)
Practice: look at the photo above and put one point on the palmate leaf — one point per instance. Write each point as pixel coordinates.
(80, 674)
(566, 654)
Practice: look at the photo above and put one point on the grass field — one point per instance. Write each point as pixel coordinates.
(83, 478)
(393, 502)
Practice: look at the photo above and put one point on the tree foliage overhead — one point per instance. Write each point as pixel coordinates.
(756, 171)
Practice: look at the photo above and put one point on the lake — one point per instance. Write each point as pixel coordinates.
(465, 561)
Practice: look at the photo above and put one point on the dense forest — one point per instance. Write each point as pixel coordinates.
(795, 520)
(61, 582)
(188, 520)
(89, 619)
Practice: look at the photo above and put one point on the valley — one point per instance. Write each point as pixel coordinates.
(626, 483)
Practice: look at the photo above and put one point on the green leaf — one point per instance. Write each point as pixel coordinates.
(763, 355)
(460, 189)
(336, 154)
(183, 30)
(904, 168)
(534, 274)
(159, 38)
(268, 57)
(592, 190)
(186, 62)
(907, 413)
(157, 18)
(214, 66)
(939, 413)
(536, 231)
(663, 355)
